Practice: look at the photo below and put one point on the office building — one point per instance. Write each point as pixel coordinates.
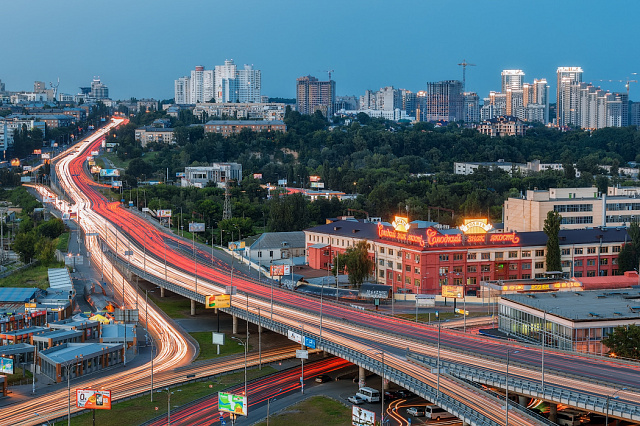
(471, 107)
(512, 79)
(2, 86)
(313, 95)
(218, 173)
(98, 89)
(567, 100)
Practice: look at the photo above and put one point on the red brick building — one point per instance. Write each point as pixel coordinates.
(422, 258)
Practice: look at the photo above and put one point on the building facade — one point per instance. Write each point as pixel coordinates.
(154, 134)
(566, 100)
(230, 127)
(502, 126)
(442, 101)
(218, 173)
(313, 95)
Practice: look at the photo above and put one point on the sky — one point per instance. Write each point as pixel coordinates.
(139, 47)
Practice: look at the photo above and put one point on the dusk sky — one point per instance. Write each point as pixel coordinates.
(139, 47)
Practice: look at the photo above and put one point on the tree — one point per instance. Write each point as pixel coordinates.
(25, 245)
(357, 263)
(552, 229)
(630, 254)
(45, 249)
(624, 341)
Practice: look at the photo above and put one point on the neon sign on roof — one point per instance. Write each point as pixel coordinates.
(434, 238)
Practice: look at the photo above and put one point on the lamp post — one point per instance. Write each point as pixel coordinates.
(506, 399)
(273, 398)
(544, 340)
(259, 333)
(169, 406)
(321, 294)
(609, 397)
(381, 353)
(245, 344)
(438, 365)
(271, 282)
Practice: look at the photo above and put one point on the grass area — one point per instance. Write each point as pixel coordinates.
(63, 242)
(317, 410)
(443, 316)
(35, 276)
(123, 164)
(174, 306)
(208, 350)
(141, 409)
(16, 377)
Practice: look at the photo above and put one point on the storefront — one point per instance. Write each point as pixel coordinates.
(421, 257)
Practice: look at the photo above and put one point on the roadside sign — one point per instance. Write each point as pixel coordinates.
(461, 311)
(217, 301)
(93, 399)
(196, 227)
(362, 417)
(235, 245)
(230, 403)
(309, 342)
(280, 270)
(296, 337)
(455, 291)
(6, 365)
(217, 338)
(300, 353)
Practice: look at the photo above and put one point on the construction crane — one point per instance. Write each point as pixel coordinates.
(329, 72)
(464, 64)
(627, 82)
(55, 89)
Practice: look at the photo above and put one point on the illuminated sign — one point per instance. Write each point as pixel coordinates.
(6, 365)
(455, 291)
(434, 238)
(257, 175)
(476, 226)
(230, 403)
(401, 224)
(164, 213)
(402, 236)
(314, 178)
(511, 237)
(541, 287)
(93, 399)
(217, 301)
(15, 162)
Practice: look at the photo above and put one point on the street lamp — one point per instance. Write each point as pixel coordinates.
(381, 353)
(273, 398)
(259, 332)
(506, 399)
(609, 397)
(544, 339)
(245, 345)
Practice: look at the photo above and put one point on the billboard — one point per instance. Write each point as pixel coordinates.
(196, 227)
(111, 145)
(362, 417)
(45, 156)
(230, 403)
(257, 175)
(48, 199)
(181, 174)
(314, 179)
(109, 172)
(37, 151)
(89, 157)
(236, 245)
(25, 178)
(280, 270)
(6, 365)
(164, 213)
(95, 169)
(93, 399)
(116, 184)
(91, 162)
(282, 182)
(319, 185)
(217, 301)
(26, 168)
(94, 153)
(456, 291)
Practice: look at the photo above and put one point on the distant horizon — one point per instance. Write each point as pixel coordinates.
(144, 46)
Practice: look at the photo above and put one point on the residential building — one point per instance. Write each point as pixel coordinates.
(442, 101)
(229, 127)
(579, 207)
(154, 134)
(147, 105)
(218, 173)
(249, 85)
(469, 168)
(393, 115)
(408, 102)
(226, 82)
(347, 103)
(313, 95)
(182, 91)
(634, 114)
(274, 246)
(251, 111)
(98, 89)
(512, 80)
(567, 100)
(502, 126)
(2, 86)
(471, 107)
(201, 85)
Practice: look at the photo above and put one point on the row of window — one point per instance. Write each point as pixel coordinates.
(576, 220)
(572, 208)
(623, 206)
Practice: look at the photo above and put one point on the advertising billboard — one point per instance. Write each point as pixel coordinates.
(93, 399)
(91, 162)
(314, 179)
(257, 175)
(196, 227)
(456, 291)
(217, 301)
(181, 174)
(236, 245)
(25, 178)
(319, 185)
(37, 151)
(164, 213)
(362, 417)
(48, 199)
(6, 365)
(282, 182)
(94, 153)
(26, 168)
(116, 183)
(230, 403)
(95, 169)
(45, 156)
(280, 270)
(111, 145)
(89, 157)
(109, 172)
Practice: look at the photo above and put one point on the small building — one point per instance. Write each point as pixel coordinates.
(60, 279)
(218, 173)
(78, 359)
(117, 333)
(502, 126)
(229, 127)
(51, 338)
(21, 353)
(272, 246)
(90, 329)
(575, 321)
(22, 335)
(154, 134)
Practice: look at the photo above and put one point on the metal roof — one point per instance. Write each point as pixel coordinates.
(56, 334)
(18, 348)
(59, 279)
(275, 240)
(69, 353)
(19, 295)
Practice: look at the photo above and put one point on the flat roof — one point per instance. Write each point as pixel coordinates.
(20, 348)
(57, 334)
(68, 323)
(18, 294)
(23, 331)
(71, 352)
(595, 305)
(116, 331)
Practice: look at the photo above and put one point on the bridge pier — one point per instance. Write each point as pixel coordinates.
(553, 412)
(385, 385)
(193, 307)
(523, 400)
(234, 329)
(362, 376)
(161, 291)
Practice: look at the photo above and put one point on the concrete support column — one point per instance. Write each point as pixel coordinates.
(523, 400)
(553, 412)
(259, 329)
(362, 376)
(161, 291)
(193, 307)
(385, 384)
(234, 329)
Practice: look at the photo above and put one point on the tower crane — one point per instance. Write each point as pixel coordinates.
(627, 82)
(464, 64)
(329, 72)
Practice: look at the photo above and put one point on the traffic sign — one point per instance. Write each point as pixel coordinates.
(300, 353)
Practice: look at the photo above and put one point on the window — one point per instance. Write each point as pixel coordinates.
(417, 258)
(399, 278)
(604, 261)
(604, 249)
(381, 273)
(382, 250)
(399, 253)
(577, 274)
(271, 253)
(566, 252)
(389, 264)
(407, 280)
(444, 257)
(485, 268)
(591, 262)
(457, 281)
(616, 249)
(577, 263)
(498, 255)
(407, 268)
(416, 282)
(457, 269)
(513, 255)
(539, 265)
(381, 262)
(407, 255)
(526, 266)
(539, 253)
(526, 276)
(513, 266)
(526, 253)
(471, 269)
(472, 280)
(591, 273)
(513, 277)
(591, 250)
(391, 252)
(416, 270)
(573, 208)
(577, 251)
(458, 256)
(399, 266)
(485, 256)
(390, 275)
(471, 256)
(260, 254)
(566, 264)
(444, 270)
(614, 261)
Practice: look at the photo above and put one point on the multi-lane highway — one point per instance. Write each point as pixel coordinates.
(153, 251)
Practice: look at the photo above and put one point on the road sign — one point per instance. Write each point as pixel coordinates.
(217, 338)
(217, 301)
(296, 337)
(93, 399)
(309, 342)
(230, 403)
(300, 353)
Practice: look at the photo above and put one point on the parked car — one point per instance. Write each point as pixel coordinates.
(391, 395)
(416, 411)
(355, 399)
(403, 393)
(323, 378)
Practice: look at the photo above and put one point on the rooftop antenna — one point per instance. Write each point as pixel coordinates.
(464, 64)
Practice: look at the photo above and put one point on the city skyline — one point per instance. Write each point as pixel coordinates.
(147, 64)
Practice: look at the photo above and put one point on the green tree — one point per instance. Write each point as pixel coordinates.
(624, 341)
(357, 263)
(25, 245)
(52, 228)
(45, 251)
(288, 213)
(552, 229)
(630, 254)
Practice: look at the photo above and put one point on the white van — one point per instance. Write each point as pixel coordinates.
(434, 412)
(569, 418)
(369, 394)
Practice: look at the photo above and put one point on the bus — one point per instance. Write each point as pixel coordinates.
(369, 394)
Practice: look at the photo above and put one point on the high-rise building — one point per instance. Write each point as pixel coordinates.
(567, 101)
(249, 82)
(98, 90)
(471, 107)
(39, 86)
(634, 114)
(313, 95)
(512, 79)
(182, 91)
(1, 86)
(226, 82)
(201, 85)
(540, 96)
(443, 100)
(408, 102)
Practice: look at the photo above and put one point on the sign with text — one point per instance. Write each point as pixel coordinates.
(196, 227)
(217, 301)
(230, 403)
(319, 185)
(25, 178)
(217, 338)
(94, 153)
(362, 417)
(164, 213)
(314, 179)
(6, 365)
(109, 172)
(280, 270)
(257, 175)
(93, 399)
(309, 342)
(45, 156)
(296, 337)
(300, 353)
(236, 245)
(455, 291)
(116, 184)
(181, 174)
(26, 168)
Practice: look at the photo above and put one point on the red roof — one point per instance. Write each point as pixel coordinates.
(630, 278)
